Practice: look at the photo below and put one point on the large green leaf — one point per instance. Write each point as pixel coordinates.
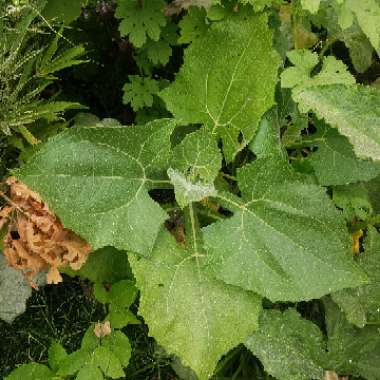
(352, 351)
(354, 110)
(362, 305)
(227, 80)
(285, 241)
(31, 371)
(290, 347)
(190, 314)
(97, 179)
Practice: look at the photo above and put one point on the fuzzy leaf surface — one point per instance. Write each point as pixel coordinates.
(354, 110)
(96, 179)
(285, 241)
(290, 347)
(236, 88)
(189, 313)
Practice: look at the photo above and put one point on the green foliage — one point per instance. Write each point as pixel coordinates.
(139, 92)
(27, 68)
(290, 347)
(141, 19)
(247, 210)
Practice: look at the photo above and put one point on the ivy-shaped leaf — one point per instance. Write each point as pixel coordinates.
(96, 179)
(189, 313)
(285, 241)
(362, 305)
(227, 80)
(290, 347)
(141, 19)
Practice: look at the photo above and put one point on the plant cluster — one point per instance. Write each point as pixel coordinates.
(240, 209)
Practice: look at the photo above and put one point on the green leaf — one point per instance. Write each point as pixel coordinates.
(139, 92)
(14, 291)
(227, 80)
(31, 371)
(74, 362)
(89, 372)
(354, 200)
(285, 241)
(119, 345)
(187, 191)
(97, 181)
(190, 314)
(352, 351)
(198, 156)
(56, 354)
(362, 305)
(335, 162)
(367, 13)
(290, 347)
(106, 265)
(354, 110)
(141, 20)
(193, 25)
(108, 362)
(65, 11)
(299, 76)
(311, 5)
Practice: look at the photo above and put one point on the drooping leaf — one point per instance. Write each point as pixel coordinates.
(290, 347)
(354, 110)
(189, 313)
(140, 20)
(285, 241)
(14, 291)
(97, 180)
(351, 351)
(335, 162)
(362, 305)
(222, 86)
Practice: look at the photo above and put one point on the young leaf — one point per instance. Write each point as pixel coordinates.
(189, 313)
(108, 362)
(89, 372)
(335, 162)
(97, 180)
(290, 347)
(285, 241)
(227, 81)
(351, 351)
(139, 92)
(311, 5)
(141, 19)
(362, 305)
(187, 191)
(118, 343)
